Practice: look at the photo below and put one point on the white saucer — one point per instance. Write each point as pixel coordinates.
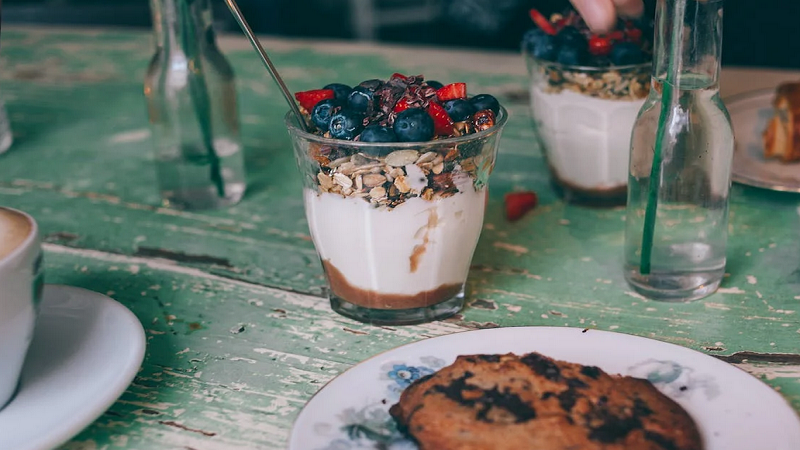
(733, 410)
(750, 113)
(85, 352)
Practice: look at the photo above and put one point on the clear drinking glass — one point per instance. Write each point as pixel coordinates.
(396, 224)
(687, 256)
(192, 105)
(583, 117)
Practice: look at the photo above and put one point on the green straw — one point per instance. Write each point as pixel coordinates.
(667, 93)
(198, 90)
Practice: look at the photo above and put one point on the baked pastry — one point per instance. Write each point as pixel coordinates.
(782, 136)
(498, 402)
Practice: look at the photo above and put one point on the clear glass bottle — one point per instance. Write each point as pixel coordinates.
(192, 106)
(683, 259)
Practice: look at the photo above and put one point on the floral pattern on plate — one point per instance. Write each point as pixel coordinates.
(372, 428)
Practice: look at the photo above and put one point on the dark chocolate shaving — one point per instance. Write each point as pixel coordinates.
(488, 399)
(576, 383)
(665, 442)
(567, 399)
(640, 408)
(614, 428)
(490, 358)
(591, 372)
(542, 366)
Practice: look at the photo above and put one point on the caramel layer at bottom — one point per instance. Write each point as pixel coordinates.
(377, 300)
(611, 196)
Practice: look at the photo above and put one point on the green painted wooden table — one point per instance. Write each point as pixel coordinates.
(238, 335)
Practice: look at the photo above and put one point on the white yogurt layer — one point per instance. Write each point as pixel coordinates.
(587, 138)
(374, 248)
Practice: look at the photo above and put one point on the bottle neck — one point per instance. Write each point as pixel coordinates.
(700, 44)
(182, 25)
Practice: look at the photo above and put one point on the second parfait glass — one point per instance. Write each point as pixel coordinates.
(584, 117)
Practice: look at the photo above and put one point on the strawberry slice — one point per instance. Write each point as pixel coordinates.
(442, 124)
(518, 203)
(452, 91)
(600, 45)
(399, 76)
(541, 21)
(616, 35)
(309, 99)
(634, 35)
(401, 105)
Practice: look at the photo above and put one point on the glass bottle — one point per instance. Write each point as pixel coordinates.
(191, 101)
(683, 258)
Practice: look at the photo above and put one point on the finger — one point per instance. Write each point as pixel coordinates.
(629, 8)
(600, 15)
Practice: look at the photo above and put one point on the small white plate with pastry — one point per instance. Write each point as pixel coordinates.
(766, 126)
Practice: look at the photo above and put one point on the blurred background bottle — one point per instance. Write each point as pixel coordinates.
(192, 106)
(6, 137)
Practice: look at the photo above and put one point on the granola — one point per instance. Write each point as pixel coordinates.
(629, 83)
(388, 181)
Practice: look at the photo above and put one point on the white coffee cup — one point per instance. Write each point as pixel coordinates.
(21, 283)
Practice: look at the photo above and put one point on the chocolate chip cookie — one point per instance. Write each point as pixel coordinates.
(534, 402)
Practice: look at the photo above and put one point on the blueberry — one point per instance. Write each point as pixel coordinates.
(435, 84)
(413, 125)
(625, 53)
(459, 110)
(322, 112)
(360, 99)
(377, 133)
(573, 47)
(340, 91)
(571, 36)
(571, 56)
(540, 44)
(485, 101)
(371, 85)
(346, 124)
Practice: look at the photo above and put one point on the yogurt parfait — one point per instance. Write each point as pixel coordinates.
(585, 92)
(395, 176)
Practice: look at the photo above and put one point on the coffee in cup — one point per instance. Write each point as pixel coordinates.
(21, 283)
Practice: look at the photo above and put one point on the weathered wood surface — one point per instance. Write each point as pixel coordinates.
(238, 336)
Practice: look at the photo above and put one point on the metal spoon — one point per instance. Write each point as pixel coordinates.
(237, 14)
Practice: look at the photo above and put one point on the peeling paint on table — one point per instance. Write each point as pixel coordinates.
(239, 337)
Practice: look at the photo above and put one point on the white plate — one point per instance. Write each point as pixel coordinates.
(85, 352)
(750, 113)
(733, 410)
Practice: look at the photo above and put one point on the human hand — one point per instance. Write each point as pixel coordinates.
(601, 15)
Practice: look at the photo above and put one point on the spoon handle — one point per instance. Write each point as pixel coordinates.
(237, 14)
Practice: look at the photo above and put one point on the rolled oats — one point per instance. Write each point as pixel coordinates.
(426, 157)
(630, 83)
(374, 179)
(325, 181)
(343, 180)
(377, 193)
(400, 158)
(338, 162)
